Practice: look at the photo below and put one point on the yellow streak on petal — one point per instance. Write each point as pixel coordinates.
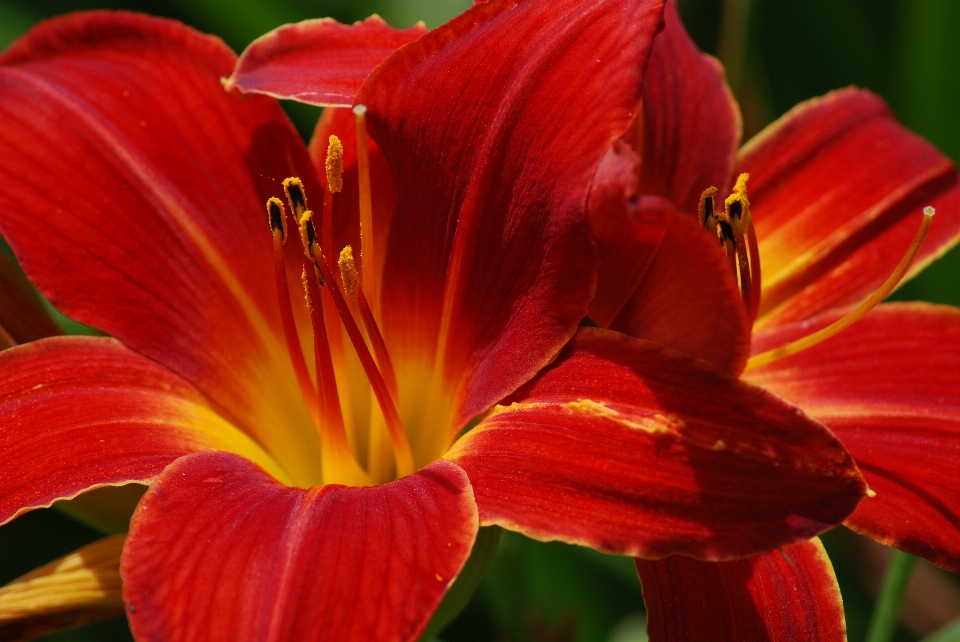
(293, 437)
(88, 578)
(657, 424)
(213, 432)
(425, 406)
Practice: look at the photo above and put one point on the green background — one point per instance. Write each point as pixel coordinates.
(778, 52)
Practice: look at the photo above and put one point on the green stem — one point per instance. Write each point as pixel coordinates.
(883, 624)
(949, 633)
(732, 47)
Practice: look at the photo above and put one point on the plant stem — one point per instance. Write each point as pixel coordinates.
(949, 633)
(732, 47)
(883, 623)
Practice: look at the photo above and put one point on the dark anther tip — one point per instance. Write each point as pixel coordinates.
(276, 215)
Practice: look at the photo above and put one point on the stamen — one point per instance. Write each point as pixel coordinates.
(860, 311)
(334, 165)
(705, 211)
(334, 169)
(308, 238)
(366, 208)
(277, 219)
(351, 283)
(735, 234)
(735, 205)
(338, 462)
(398, 437)
(293, 188)
(348, 272)
(727, 241)
(756, 283)
(739, 191)
(742, 212)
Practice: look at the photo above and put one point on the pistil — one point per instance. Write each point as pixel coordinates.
(857, 313)
(366, 209)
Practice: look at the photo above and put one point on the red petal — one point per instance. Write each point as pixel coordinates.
(22, 315)
(888, 387)
(836, 189)
(493, 126)
(662, 277)
(81, 412)
(320, 62)
(134, 191)
(787, 595)
(630, 448)
(220, 551)
(691, 123)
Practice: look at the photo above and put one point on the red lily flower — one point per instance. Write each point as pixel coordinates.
(835, 192)
(284, 508)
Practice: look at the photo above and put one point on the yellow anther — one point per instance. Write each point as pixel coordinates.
(308, 236)
(278, 221)
(334, 165)
(738, 195)
(348, 272)
(296, 197)
(705, 209)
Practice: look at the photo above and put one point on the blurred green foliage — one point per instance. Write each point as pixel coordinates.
(781, 52)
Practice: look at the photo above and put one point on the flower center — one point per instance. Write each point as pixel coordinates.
(736, 235)
(328, 308)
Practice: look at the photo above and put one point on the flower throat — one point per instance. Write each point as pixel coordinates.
(321, 289)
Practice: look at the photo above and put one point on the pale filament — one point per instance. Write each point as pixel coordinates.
(857, 313)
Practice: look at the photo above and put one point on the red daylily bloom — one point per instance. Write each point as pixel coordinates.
(338, 503)
(835, 192)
